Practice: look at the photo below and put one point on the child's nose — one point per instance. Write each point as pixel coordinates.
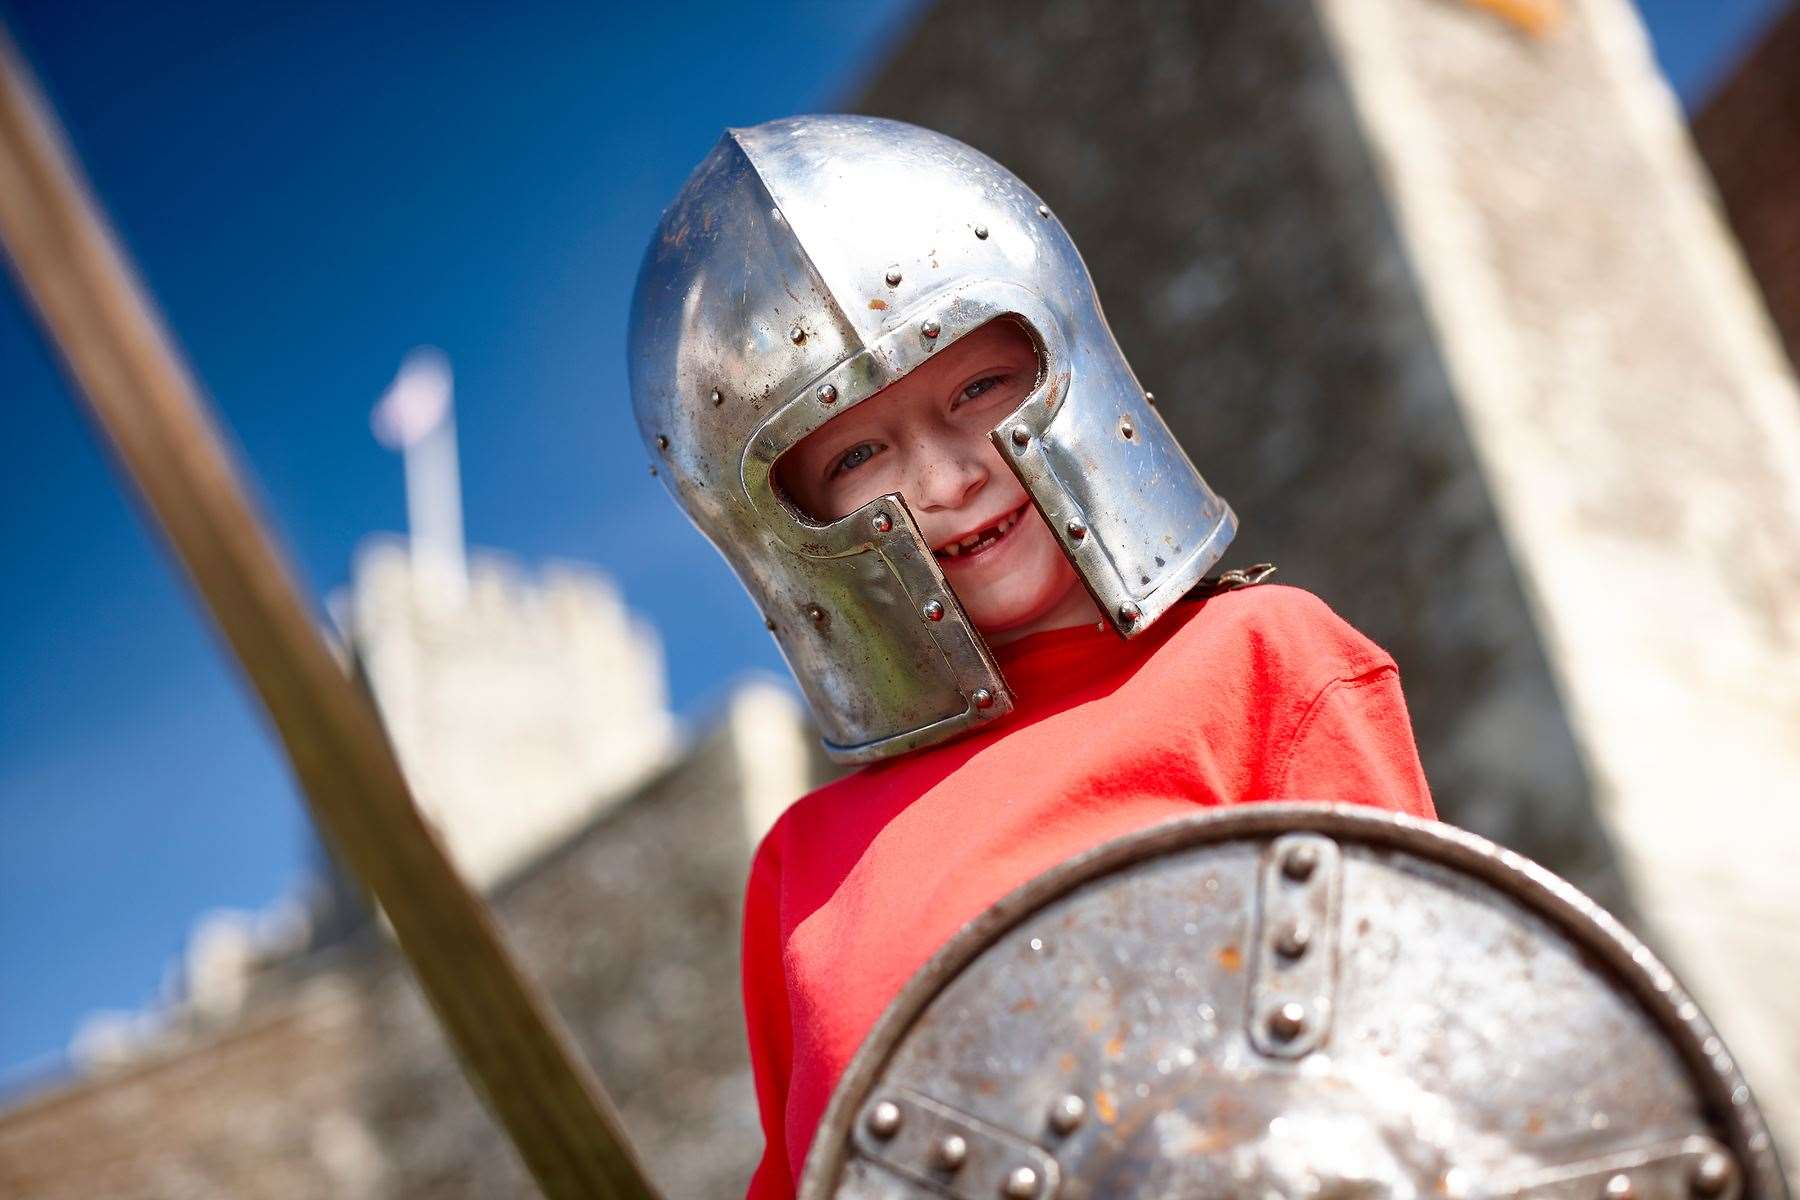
(949, 481)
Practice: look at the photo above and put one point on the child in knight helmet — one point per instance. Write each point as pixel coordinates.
(873, 370)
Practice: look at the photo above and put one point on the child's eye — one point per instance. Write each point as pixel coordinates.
(853, 458)
(987, 384)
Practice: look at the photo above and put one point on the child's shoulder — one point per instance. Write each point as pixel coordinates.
(1272, 624)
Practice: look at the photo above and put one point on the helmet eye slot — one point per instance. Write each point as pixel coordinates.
(924, 435)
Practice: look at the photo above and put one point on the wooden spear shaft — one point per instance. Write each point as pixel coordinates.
(149, 409)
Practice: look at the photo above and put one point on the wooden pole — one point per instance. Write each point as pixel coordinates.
(149, 409)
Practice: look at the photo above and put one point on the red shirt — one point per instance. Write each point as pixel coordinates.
(1258, 694)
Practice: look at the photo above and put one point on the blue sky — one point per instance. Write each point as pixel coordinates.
(310, 191)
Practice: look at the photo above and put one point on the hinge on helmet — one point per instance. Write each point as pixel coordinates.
(1232, 580)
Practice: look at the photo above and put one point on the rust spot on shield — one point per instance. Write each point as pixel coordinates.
(1115, 1046)
(1534, 1124)
(1067, 1063)
(878, 304)
(1024, 1006)
(1231, 958)
(1105, 1107)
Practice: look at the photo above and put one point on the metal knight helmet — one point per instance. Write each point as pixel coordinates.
(806, 264)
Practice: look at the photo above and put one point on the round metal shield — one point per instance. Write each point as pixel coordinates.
(1293, 1000)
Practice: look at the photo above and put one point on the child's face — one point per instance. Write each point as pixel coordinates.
(925, 437)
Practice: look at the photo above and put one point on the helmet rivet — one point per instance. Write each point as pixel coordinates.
(1021, 436)
(1293, 940)
(1300, 861)
(653, 469)
(1043, 210)
(883, 522)
(662, 442)
(933, 610)
(718, 397)
(1067, 1113)
(931, 328)
(1126, 429)
(981, 232)
(815, 614)
(1129, 612)
(1021, 1184)
(769, 624)
(1619, 1187)
(884, 1119)
(981, 698)
(827, 393)
(1288, 1021)
(893, 276)
(796, 335)
(1712, 1174)
(1150, 399)
(1077, 531)
(950, 1153)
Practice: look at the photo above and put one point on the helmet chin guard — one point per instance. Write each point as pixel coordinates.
(807, 264)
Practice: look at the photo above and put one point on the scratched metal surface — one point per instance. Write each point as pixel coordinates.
(1486, 1023)
(806, 264)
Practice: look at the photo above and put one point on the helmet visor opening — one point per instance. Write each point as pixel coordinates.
(923, 436)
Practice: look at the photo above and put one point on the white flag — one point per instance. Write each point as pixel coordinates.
(416, 403)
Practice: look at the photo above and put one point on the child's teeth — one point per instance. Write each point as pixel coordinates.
(992, 533)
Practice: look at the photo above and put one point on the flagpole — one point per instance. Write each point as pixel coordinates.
(417, 416)
(149, 409)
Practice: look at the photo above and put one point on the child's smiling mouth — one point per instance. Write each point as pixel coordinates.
(981, 540)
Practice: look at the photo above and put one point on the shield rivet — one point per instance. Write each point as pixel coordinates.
(883, 522)
(982, 698)
(1713, 1174)
(950, 1153)
(662, 442)
(981, 232)
(1126, 429)
(1288, 1021)
(1619, 1187)
(893, 276)
(1129, 613)
(1077, 530)
(1300, 862)
(1066, 1114)
(1021, 436)
(827, 393)
(796, 335)
(1293, 940)
(884, 1119)
(1021, 1184)
(1043, 210)
(718, 397)
(933, 610)
(815, 614)
(1150, 399)
(931, 328)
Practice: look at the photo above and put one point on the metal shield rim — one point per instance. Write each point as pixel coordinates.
(1726, 1094)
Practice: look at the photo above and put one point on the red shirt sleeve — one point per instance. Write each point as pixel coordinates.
(766, 1019)
(1355, 743)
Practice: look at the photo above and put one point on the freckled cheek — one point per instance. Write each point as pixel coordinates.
(850, 492)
